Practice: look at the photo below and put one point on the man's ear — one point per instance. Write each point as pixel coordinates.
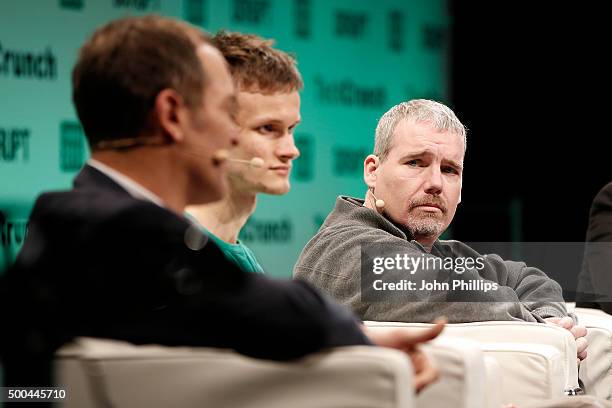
(171, 114)
(370, 165)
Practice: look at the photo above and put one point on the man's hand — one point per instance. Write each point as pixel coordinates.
(579, 333)
(408, 340)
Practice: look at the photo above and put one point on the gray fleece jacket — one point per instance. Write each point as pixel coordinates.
(331, 261)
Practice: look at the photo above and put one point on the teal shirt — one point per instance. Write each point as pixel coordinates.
(238, 253)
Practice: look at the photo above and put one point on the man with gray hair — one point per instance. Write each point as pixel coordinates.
(382, 256)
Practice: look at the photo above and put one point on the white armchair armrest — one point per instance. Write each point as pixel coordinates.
(537, 361)
(99, 371)
(462, 376)
(596, 369)
(494, 383)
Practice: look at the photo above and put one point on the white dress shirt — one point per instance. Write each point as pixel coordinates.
(136, 190)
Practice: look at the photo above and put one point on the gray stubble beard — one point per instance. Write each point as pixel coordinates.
(426, 226)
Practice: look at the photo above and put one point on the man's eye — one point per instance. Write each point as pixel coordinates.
(413, 163)
(266, 129)
(449, 170)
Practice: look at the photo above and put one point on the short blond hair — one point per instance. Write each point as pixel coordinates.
(440, 116)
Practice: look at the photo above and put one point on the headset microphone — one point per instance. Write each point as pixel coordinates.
(378, 203)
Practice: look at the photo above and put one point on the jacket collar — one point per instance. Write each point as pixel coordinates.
(352, 210)
(91, 178)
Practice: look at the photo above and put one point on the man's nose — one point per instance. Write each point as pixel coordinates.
(287, 150)
(433, 181)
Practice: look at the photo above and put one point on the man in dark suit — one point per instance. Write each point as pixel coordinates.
(115, 258)
(595, 279)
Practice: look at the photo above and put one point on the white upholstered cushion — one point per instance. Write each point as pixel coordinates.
(537, 361)
(130, 376)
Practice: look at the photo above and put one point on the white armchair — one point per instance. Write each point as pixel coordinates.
(596, 369)
(111, 373)
(537, 361)
(463, 381)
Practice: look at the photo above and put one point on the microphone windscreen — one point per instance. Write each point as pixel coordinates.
(257, 162)
(221, 155)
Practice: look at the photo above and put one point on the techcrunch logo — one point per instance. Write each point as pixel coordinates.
(302, 18)
(71, 146)
(28, 64)
(348, 93)
(140, 5)
(72, 4)
(303, 169)
(348, 161)
(267, 231)
(13, 232)
(351, 24)
(395, 30)
(12, 142)
(250, 11)
(412, 264)
(434, 37)
(194, 12)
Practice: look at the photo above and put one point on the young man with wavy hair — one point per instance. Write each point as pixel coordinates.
(268, 110)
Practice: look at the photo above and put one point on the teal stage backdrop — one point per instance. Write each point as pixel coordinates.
(357, 57)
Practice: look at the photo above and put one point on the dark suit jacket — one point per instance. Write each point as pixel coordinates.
(98, 262)
(595, 279)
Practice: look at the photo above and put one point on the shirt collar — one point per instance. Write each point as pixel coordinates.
(133, 188)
